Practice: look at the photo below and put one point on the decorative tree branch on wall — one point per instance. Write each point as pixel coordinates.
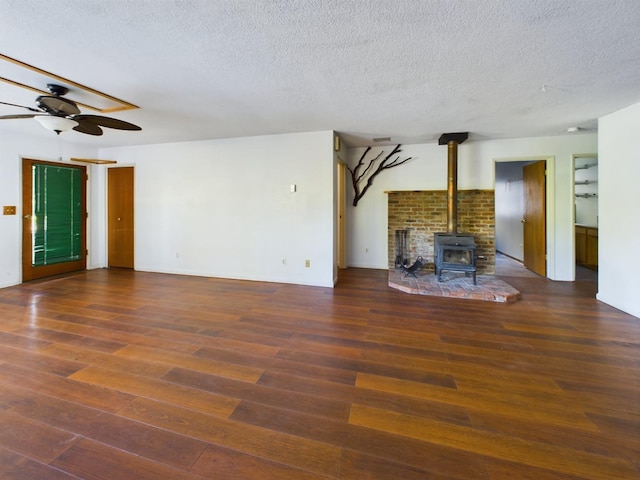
(361, 174)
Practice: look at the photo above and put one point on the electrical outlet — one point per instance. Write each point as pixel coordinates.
(307, 263)
(9, 210)
(284, 261)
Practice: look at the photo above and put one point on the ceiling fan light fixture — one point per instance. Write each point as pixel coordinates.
(56, 124)
(59, 114)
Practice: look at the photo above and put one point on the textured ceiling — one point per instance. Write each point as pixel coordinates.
(405, 69)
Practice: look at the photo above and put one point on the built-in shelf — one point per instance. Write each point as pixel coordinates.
(585, 179)
(586, 166)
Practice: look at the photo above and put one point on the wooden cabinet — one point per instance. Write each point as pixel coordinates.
(592, 248)
(587, 246)
(581, 245)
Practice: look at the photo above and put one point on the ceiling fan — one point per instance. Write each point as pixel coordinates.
(60, 114)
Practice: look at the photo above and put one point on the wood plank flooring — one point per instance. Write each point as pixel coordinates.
(115, 374)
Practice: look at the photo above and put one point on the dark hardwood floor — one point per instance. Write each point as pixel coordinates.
(114, 374)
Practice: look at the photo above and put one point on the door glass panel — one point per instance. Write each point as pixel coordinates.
(56, 217)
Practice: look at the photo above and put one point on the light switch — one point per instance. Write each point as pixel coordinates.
(9, 210)
(293, 188)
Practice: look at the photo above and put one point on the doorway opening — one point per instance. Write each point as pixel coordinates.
(341, 214)
(521, 213)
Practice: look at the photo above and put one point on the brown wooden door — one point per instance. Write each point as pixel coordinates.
(535, 222)
(120, 217)
(72, 205)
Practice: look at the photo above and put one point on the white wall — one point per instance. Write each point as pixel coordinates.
(223, 208)
(619, 217)
(232, 196)
(509, 201)
(14, 147)
(367, 229)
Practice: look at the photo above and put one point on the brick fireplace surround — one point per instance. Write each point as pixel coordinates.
(423, 213)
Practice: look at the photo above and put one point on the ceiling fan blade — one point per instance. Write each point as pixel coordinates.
(107, 122)
(21, 106)
(87, 127)
(25, 115)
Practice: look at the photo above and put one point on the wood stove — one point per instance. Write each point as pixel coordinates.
(454, 252)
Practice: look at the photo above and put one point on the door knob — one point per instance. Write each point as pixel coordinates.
(523, 221)
(27, 217)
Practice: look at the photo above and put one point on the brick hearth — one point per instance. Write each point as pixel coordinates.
(454, 285)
